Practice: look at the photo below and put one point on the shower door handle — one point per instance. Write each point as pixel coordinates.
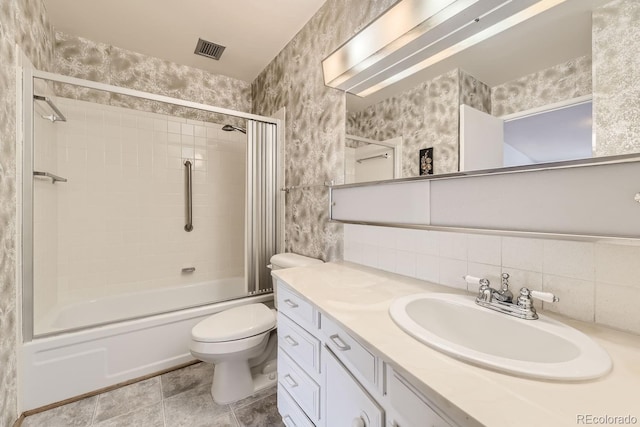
(189, 187)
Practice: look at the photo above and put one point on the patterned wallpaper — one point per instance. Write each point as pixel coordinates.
(568, 80)
(23, 22)
(425, 116)
(474, 93)
(616, 86)
(8, 397)
(315, 121)
(86, 59)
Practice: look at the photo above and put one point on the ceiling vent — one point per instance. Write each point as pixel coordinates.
(209, 49)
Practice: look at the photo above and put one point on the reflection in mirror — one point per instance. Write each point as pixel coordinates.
(370, 160)
(552, 133)
(549, 136)
(577, 51)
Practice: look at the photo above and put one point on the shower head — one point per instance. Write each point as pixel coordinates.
(231, 128)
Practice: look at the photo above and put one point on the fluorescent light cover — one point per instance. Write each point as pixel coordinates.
(503, 25)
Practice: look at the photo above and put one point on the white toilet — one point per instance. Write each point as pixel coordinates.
(242, 343)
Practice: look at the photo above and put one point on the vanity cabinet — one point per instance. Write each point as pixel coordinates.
(326, 378)
(347, 402)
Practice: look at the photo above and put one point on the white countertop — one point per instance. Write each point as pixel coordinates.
(359, 298)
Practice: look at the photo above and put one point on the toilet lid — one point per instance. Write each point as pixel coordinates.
(235, 323)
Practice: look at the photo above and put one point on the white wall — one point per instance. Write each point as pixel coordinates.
(122, 212)
(596, 282)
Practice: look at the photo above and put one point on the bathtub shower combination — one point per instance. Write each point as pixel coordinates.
(142, 215)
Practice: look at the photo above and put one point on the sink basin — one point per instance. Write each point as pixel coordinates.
(543, 348)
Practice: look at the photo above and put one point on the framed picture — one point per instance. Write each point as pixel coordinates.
(426, 161)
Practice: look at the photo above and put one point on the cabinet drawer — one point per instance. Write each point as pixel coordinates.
(296, 308)
(347, 402)
(292, 415)
(304, 391)
(411, 406)
(303, 347)
(348, 350)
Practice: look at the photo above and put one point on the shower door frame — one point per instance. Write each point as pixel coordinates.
(28, 76)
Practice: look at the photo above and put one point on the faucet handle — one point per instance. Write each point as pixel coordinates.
(475, 280)
(524, 300)
(544, 296)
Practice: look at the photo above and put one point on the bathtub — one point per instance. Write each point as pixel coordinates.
(54, 368)
(132, 305)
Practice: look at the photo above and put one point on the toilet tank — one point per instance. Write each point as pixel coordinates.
(288, 260)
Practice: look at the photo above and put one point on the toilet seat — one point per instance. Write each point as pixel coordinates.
(220, 348)
(235, 324)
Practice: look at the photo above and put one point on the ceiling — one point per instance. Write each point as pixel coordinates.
(253, 31)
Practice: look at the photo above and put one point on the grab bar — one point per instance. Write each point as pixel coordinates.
(189, 226)
(54, 178)
(57, 116)
(385, 155)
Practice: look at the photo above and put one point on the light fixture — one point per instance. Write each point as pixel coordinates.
(415, 34)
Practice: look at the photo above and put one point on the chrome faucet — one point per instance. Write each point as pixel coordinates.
(485, 292)
(504, 294)
(502, 300)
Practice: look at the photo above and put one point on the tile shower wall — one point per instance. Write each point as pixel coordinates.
(23, 23)
(122, 212)
(45, 206)
(314, 133)
(596, 282)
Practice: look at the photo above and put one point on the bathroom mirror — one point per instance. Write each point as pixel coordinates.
(370, 160)
(560, 83)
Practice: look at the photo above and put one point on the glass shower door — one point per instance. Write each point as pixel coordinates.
(110, 243)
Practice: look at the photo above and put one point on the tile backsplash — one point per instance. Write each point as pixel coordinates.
(595, 281)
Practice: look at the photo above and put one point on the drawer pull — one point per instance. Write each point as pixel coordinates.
(288, 421)
(292, 383)
(291, 303)
(290, 341)
(342, 346)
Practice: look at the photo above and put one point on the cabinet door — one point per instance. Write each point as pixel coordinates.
(347, 403)
(411, 407)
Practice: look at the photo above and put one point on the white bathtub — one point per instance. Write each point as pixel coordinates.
(137, 304)
(58, 367)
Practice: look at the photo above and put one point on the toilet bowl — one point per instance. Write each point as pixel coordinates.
(242, 343)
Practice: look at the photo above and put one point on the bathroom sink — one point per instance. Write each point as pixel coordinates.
(542, 348)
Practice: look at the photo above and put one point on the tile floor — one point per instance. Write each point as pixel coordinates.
(179, 398)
